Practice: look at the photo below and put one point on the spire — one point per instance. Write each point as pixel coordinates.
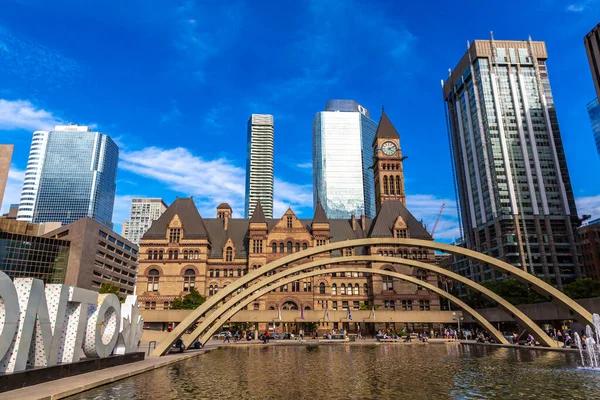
(385, 128)
(320, 216)
(258, 216)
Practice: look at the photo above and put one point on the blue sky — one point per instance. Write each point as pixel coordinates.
(174, 82)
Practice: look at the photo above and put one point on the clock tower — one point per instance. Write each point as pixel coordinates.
(387, 163)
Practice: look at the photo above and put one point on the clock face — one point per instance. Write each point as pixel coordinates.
(388, 148)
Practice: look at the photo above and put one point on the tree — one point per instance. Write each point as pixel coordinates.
(108, 288)
(583, 289)
(515, 292)
(190, 301)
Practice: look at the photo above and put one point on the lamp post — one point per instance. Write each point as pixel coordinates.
(457, 317)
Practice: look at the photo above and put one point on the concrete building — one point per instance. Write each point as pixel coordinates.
(6, 151)
(514, 190)
(98, 255)
(259, 164)
(592, 48)
(183, 250)
(71, 173)
(343, 136)
(144, 211)
(589, 243)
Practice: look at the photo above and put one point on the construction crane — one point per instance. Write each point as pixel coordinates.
(437, 219)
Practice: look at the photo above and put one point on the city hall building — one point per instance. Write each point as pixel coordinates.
(183, 250)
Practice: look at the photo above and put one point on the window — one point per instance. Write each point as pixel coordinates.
(297, 247)
(307, 286)
(175, 255)
(321, 288)
(400, 233)
(257, 246)
(356, 289)
(321, 242)
(304, 246)
(366, 289)
(343, 289)
(289, 247)
(150, 253)
(347, 252)
(390, 304)
(334, 289)
(170, 254)
(281, 248)
(274, 248)
(229, 254)
(217, 273)
(424, 305)
(231, 273)
(153, 276)
(385, 185)
(344, 305)
(289, 221)
(210, 290)
(239, 272)
(356, 305)
(406, 305)
(334, 305)
(211, 273)
(189, 280)
(166, 305)
(160, 255)
(388, 283)
(174, 235)
(255, 306)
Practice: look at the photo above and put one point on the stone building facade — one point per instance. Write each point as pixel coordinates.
(182, 250)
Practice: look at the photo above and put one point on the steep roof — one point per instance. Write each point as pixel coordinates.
(193, 225)
(383, 225)
(385, 129)
(223, 205)
(320, 216)
(258, 216)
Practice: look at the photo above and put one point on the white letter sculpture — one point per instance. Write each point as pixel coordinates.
(131, 327)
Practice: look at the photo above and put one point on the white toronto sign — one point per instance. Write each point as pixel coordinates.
(44, 325)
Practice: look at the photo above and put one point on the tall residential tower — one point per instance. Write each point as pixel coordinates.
(71, 173)
(259, 164)
(514, 189)
(343, 137)
(143, 213)
(592, 47)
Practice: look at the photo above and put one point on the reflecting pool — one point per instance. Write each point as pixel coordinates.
(435, 371)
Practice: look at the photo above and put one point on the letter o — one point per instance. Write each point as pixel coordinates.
(103, 326)
(9, 306)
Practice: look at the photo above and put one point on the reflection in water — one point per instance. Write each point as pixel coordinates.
(362, 372)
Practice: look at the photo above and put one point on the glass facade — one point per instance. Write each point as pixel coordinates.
(514, 189)
(26, 256)
(75, 177)
(594, 112)
(342, 157)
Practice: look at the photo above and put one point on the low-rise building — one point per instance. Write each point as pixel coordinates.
(589, 245)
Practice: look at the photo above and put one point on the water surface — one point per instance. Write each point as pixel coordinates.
(436, 371)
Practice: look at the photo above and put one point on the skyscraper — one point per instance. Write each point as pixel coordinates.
(594, 113)
(71, 173)
(143, 213)
(592, 47)
(6, 151)
(514, 189)
(343, 136)
(259, 164)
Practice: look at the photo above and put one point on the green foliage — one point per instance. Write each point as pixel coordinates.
(190, 301)
(363, 306)
(583, 289)
(108, 288)
(515, 292)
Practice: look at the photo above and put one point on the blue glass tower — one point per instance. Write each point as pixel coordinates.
(594, 112)
(342, 159)
(72, 174)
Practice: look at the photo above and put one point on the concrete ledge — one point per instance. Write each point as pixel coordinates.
(515, 346)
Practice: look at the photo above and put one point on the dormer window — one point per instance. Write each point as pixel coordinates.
(229, 254)
(400, 233)
(289, 222)
(174, 235)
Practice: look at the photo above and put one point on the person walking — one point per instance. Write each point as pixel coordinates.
(227, 337)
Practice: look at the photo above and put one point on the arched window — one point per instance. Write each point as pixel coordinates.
(215, 289)
(229, 254)
(185, 255)
(239, 272)
(405, 254)
(196, 255)
(153, 276)
(170, 254)
(349, 292)
(175, 255)
(189, 280)
(385, 185)
(160, 255)
(366, 289)
(281, 248)
(289, 305)
(343, 289)
(289, 247)
(398, 186)
(385, 253)
(388, 283)
(304, 246)
(422, 275)
(306, 308)
(150, 253)
(356, 289)
(380, 252)
(334, 289)
(274, 248)
(297, 247)
(321, 288)
(392, 190)
(414, 255)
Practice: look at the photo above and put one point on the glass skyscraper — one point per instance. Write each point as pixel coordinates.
(71, 173)
(514, 190)
(259, 164)
(343, 137)
(594, 112)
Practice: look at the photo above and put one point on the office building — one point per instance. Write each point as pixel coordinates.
(589, 243)
(70, 174)
(259, 164)
(143, 213)
(6, 151)
(592, 47)
(98, 255)
(514, 190)
(25, 254)
(343, 136)
(594, 113)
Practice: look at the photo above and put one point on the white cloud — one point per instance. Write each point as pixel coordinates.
(14, 185)
(21, 114)
(426, 207)
(306, 165)
(589, 205)
(209, 181)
